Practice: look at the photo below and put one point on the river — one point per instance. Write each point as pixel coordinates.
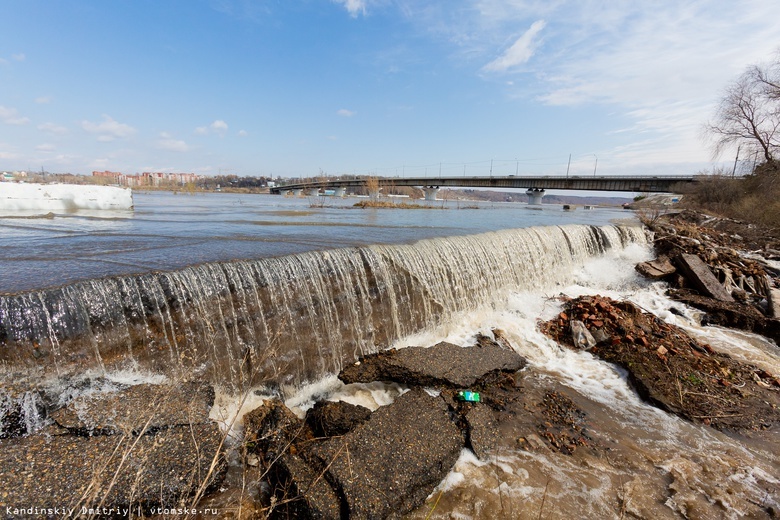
(266, 295)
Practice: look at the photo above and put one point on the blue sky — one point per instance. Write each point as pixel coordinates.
(384, 87)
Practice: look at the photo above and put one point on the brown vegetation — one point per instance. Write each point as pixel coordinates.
(754, 198)
(390, 204)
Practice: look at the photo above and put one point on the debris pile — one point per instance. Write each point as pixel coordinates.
(667, 367)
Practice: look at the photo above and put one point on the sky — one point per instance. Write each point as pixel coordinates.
(298, 88)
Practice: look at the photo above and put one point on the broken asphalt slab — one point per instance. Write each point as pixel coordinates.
(442, 365)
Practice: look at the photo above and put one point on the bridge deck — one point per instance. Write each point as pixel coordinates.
(654, 184)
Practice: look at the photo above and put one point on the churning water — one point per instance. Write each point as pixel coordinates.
(263, 295)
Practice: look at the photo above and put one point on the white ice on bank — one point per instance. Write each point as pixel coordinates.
(21, 197)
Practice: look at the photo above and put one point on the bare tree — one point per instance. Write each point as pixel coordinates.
(749, 112)
(372, 186)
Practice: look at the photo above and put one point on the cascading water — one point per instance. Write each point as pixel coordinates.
(292, 319)
(288, 319)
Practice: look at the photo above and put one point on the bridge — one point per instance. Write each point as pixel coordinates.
(535, 185)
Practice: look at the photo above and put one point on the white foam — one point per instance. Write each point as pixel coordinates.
(229, 410)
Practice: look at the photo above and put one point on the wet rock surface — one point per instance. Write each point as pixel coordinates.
(656, 269)
(164, 406)
(443, 364)
(327, 419)
(393, 461)
(672, 370)
(304, 492)
(119, 471)
(385, 463)
(137, 448)
(272, 429)
(483, 433)
(699, 274)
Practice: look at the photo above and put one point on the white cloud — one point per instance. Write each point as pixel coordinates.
(99, 164)
(45, 147)
(661, 65)
(52, 128)
(219, 126)
(242, 133)
(8, 155)
(19, 57)
(10, 116)
(108, 129)
(354, 7)
(43, 100)
(345, 113)
(167, 142)
(520, 52)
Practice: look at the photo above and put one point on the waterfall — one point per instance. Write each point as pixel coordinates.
(288, 319)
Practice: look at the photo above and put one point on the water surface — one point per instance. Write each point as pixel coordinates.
(168, 231)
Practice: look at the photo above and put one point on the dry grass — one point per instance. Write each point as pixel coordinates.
(241, 505)
(754, 198)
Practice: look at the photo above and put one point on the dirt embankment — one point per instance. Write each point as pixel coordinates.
(720, 266)
(669, 368)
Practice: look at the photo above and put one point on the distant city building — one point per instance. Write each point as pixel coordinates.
(13, 176)
(147, 178)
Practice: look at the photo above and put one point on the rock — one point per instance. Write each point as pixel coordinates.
(774, 302)
(391, 463)
(119, 470)
(138, 408)
(327, 419)
(443, 364)
(273, 428)
(701, 278)
(308, 492)
(483, 433)
(599, 335)
(656, 269)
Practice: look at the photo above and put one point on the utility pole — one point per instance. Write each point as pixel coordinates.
(734, 170)
(567, 167)
(595, 165)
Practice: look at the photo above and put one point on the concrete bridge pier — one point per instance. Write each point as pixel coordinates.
(284, 193)
(313, 192)
(373, 194)
(535, 196)
(297, 192)
(430, 192)
(339, 192)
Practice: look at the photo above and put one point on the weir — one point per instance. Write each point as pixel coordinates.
(284, 320)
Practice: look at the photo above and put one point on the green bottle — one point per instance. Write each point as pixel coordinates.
(471, 397)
